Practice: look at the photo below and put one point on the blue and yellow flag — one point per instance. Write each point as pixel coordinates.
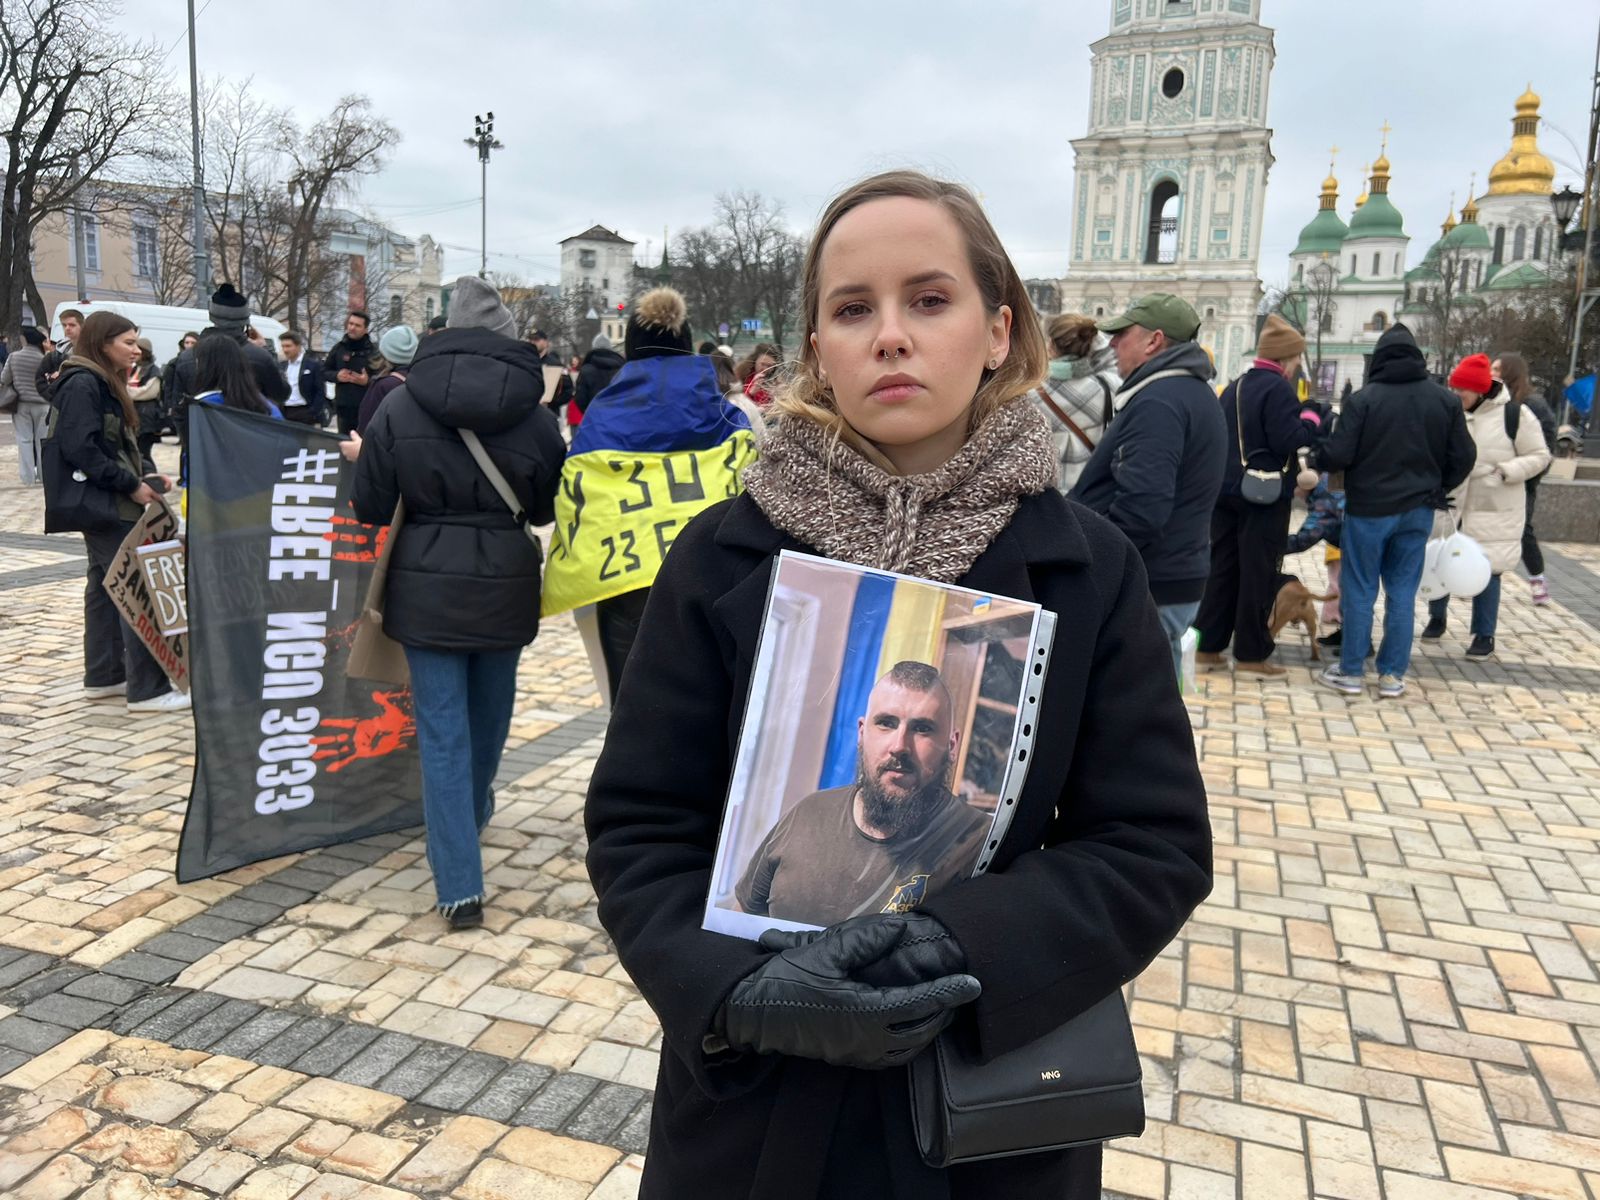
(655, 448)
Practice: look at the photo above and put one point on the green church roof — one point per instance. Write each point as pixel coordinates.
(1377, 218)
(1468, 235)
(1323, 235)
(1523, 275)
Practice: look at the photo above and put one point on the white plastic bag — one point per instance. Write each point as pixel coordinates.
(1464, 567)
(1188, 646)
(1432, 585)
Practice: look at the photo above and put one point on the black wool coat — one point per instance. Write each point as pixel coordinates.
(1109, 852)
(463, 575)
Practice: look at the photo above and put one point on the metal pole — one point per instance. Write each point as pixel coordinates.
(202, 265)
(79, 247)
(483, 236)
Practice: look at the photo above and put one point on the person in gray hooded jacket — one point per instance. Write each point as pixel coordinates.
(1076, 398)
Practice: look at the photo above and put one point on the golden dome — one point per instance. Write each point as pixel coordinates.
(1449, 217)
(1523, 171)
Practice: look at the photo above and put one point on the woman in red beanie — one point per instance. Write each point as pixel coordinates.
(1491, 505)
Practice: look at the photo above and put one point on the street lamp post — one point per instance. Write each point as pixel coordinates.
(484, 140)
(202, 266)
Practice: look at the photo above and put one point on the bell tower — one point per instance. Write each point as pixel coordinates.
(1171, 179)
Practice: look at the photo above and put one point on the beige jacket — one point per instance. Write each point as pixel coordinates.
(1491, 504)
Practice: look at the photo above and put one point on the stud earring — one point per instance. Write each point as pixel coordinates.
(993, 363)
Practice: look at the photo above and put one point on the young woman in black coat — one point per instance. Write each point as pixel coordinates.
(906, 442)
(97, 429)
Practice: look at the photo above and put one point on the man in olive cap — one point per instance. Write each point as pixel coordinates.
(1157, 471)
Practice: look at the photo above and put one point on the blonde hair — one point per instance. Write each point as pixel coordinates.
(806, 396)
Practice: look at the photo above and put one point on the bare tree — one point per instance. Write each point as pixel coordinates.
(77, 100)
(1448, 307)
(745, 264)
(349, 142)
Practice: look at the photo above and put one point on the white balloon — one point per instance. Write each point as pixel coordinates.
(1464, 567)
(1432, 585)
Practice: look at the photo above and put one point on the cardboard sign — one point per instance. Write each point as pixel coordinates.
(162, 564)
(125, 584)
(552, 380)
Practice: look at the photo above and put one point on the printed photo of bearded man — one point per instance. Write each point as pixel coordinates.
(884, 842)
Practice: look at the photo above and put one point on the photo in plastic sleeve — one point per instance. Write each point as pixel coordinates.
(882, 717)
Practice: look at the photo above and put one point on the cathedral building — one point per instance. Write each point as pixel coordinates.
(1348, 282)
(1171, 178)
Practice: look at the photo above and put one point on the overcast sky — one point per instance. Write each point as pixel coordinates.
(635, 114)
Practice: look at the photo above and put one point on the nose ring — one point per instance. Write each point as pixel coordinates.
(887, 356)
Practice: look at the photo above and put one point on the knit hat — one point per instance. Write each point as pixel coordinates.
(600, 342)
(398, 345)
(1279, 341)
(229, 310)
(659, 325)
(1473, 374)
(437, 324)
(475, 304)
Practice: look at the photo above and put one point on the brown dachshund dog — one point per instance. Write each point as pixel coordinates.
(1296, 605)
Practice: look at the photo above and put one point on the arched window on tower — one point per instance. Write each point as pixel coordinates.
(1377, 267)
(1380, 322)
(1500, 244)
(1161, 242)
(1519, 244)
(1538, 243)
(1300, 273)
(1397, 263)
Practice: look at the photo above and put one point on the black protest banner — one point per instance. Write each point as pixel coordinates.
(290, 753)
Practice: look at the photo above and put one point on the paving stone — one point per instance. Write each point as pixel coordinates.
(11, 1059)
(634, 1134)
(149, 968)
(289, 1045)
(334, 1051)
(260, 1029)
(560, 1156)
(214, 928)
(273, 891)
(75, 1012)
(216, 1170)
(145, 1007)
(304, 877)
(377, 1060)
(181, 947)
(419, 1072)
(508, 1092)
(335, 1101)
(448, 1155)
(327, 864)
(464, 1080)
(361, 852)
(265, 1132)
(216, 1024)
(34, 1037)
(254, 913)
(114, 991)
(556, 1102)
(599, 1118)
(22, 965)
(495, 1179)
(370, 1156)
(43, 984)
(281, 1182)
(166, 1024)
(159, 1101)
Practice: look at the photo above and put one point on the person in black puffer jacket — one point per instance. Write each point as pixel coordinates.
(1246, 538)
(599, 365)
(463, 590)
(96, 432)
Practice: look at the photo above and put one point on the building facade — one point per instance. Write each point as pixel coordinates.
(1171, 179)
(597, 262)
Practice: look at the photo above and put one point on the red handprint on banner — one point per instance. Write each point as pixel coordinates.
(355, 542)
(342, 637)
(351, 739)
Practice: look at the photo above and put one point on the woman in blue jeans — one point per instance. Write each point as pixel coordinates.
(463, 591)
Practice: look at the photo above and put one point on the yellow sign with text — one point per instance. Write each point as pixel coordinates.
(618, 512)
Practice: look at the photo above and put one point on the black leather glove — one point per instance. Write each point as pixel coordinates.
(807, 1001)
(925, 951)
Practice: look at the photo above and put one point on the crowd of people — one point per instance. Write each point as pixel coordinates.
(932, 426)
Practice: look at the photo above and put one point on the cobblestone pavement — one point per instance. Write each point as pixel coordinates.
(1392, 991)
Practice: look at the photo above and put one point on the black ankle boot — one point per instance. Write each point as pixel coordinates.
(1434, 630)
(1482, 647)
(467, 916)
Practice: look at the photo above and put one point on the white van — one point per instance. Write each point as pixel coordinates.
(163, 324)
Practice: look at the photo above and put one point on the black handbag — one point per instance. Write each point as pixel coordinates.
(72, 504)
(1256, 486)
(1077, 1085)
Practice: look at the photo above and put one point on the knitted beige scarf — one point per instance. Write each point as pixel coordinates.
(829, 494)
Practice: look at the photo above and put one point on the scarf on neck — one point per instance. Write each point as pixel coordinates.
(831, 495)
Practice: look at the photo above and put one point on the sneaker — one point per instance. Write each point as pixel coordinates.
(1391, 687)
(1434, 630)
(466, 916)
(173, 701)
(1482, 647)
(108, 689)
(1541, 590)
(1269, 670)
(1333, 640)
(1336, 679)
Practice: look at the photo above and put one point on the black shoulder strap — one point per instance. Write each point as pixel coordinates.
(1513, 421)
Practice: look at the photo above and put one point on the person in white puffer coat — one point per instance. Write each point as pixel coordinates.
(1490, 506)
(1083, 379)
